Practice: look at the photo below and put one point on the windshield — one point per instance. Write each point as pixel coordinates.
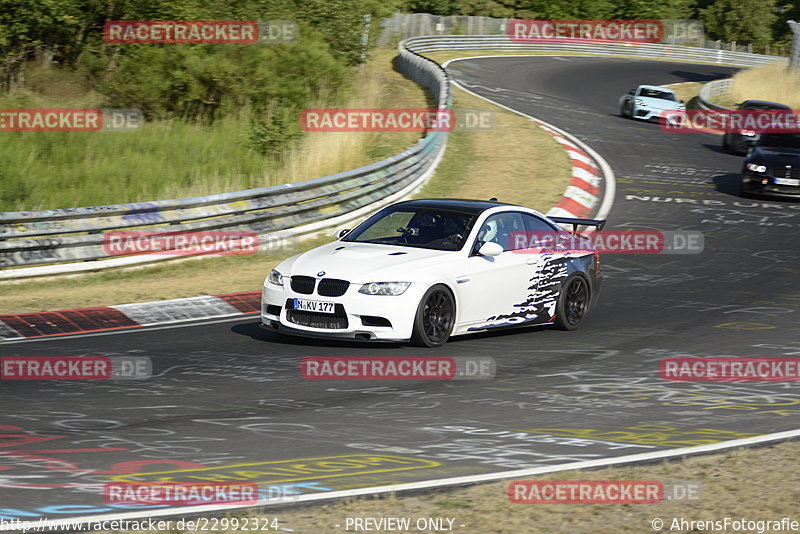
(410, 227)
(655, 93)
(781, 140)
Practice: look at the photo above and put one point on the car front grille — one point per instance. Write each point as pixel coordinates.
(641, 112)
(303, 284)
(794, 172)
(331, 287)
(317, 320)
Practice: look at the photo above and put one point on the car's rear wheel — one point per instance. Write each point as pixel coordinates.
(436, 315)
(573, 302)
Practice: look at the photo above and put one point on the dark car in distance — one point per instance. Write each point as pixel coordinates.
(740, 142)
(773, 167)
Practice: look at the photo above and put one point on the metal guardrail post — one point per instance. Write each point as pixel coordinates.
(794, 54)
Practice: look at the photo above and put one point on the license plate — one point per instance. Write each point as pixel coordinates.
(314, 306)
(787, 181)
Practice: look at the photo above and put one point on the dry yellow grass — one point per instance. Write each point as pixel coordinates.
(755, 484)
(773, 82)
(686, 91)
(516, 161)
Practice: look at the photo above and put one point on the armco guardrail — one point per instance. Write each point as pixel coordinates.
(644, 50)
(49, 238)
(717, 87)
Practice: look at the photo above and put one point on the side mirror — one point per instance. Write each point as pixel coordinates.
(681, 101)
(341, 233)
(632, 92)
(490, 249)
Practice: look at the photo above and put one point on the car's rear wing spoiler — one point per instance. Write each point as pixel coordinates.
(579, 222)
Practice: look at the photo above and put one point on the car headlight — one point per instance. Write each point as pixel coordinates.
(748, 133)
(640, 102)
(384, 288)
(755, 167)
(681, 108)
(275, 278)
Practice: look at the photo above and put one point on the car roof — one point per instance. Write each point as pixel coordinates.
(455, 204)
(656, 87)
(765, 103)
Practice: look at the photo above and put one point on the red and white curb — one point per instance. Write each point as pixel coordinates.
(127, 316)
(593, 186)
(582, 196)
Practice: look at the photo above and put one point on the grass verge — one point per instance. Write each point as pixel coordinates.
(516, 162)
(754, 484)
(687, 92)
(773, 82)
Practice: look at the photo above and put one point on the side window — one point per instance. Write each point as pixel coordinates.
(535, 224)
(502, 229)
(537, 232)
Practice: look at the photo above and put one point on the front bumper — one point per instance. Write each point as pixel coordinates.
(655, 115)
(738, 143)
(357, 316)
(753, 183)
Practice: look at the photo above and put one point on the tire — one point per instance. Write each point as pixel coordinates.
(623, 112)
(435, 317)
(726, 146)
(573, 302)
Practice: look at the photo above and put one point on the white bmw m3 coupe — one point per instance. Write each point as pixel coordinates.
(425, 270)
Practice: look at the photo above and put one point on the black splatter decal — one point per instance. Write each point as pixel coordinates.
(540, 303)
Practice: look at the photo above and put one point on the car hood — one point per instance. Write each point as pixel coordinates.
(777, 157)
(659, 103)
(364, 262)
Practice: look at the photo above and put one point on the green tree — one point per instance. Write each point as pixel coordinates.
(743, 21)
(653, 9)
(30, 26)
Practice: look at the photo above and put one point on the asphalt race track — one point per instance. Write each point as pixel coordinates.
(226, 393)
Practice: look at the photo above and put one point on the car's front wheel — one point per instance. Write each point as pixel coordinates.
(623, 111)
(435, 317)
(573, 302)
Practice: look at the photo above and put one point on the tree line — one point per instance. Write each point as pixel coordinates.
(757, 22)
(190, 81)
(208, 81)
